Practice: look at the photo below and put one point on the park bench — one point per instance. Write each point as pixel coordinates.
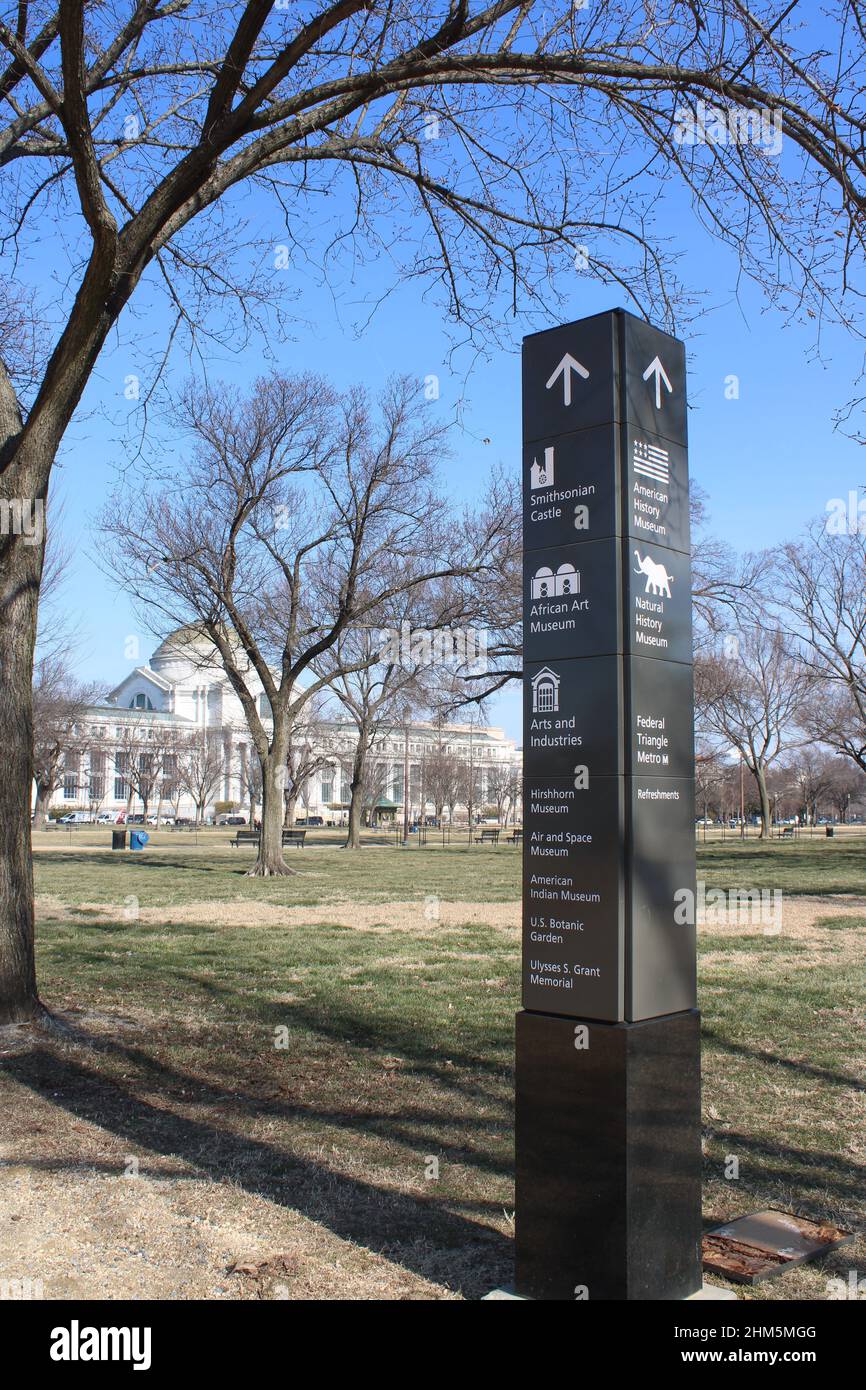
(516, 837)
(252, 837)
(788, 830)
(487, 837)
(245, 837)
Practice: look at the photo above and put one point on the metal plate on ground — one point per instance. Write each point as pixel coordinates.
(766, 1243)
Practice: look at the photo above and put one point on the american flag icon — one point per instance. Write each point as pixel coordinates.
(652, 461)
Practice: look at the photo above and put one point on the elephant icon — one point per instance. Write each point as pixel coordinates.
(658, 581)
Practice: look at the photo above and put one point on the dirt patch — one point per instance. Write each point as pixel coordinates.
(411, 916)
(794, 917)
(85, 1234)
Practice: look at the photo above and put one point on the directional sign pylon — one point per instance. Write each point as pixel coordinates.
(607, 1114)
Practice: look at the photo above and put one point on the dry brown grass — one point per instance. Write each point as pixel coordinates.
(301, 1174)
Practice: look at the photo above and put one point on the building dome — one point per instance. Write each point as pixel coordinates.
(187, 645)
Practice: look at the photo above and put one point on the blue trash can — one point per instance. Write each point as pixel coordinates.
(138, 839)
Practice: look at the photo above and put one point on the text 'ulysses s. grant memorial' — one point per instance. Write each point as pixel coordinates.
(608, 1134)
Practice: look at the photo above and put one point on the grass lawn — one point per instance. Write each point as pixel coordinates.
(302, 1087)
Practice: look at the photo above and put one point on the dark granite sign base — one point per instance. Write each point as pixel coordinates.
(608, 1194)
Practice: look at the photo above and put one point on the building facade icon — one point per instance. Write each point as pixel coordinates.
(545, 692)
(541, 474)
(546, 584)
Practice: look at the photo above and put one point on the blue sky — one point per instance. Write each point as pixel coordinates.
(769, 460)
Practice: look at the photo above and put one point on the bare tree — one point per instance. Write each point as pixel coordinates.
(377, 781)
(306, 756)
(469, 779)
(493, 601)
(847, 785)
(59, 733)
(710, 772)
(251, 781)
(821, 589)
(95, 749)
(359, 90)
(442, 775)
(501, 788)
(726, 587)
(300, 514)
(752, 701)
(812, 775)
(140, 755)
(198, 767)
(379, 677)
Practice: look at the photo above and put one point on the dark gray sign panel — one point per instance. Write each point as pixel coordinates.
(659, 603)
(608, 652)
(570, 378)
(574, 712)
(572, 866)
(656, 489)
(570, 490)
(661, 888)
(571, 601)
(660, 717)
(654, 380)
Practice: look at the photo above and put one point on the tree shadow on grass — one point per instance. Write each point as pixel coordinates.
(418, 1232)
(773, 1059)
(418, 1129)
(334, 1023)
(142, 867)
(793, 1167)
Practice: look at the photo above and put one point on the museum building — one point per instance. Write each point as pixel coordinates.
(183, 691)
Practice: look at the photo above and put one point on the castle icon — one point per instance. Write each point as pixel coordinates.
(541, 474)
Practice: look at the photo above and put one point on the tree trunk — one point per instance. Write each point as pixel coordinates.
(766, 814)
(20, 574)
(356, 799)
(270, 862)
(40, 810)
(27, 453)
(291, 811)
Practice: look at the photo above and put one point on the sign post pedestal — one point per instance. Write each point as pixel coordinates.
(608, 1052)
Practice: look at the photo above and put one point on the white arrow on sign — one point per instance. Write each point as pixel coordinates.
(655, 368)
(565, 368)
